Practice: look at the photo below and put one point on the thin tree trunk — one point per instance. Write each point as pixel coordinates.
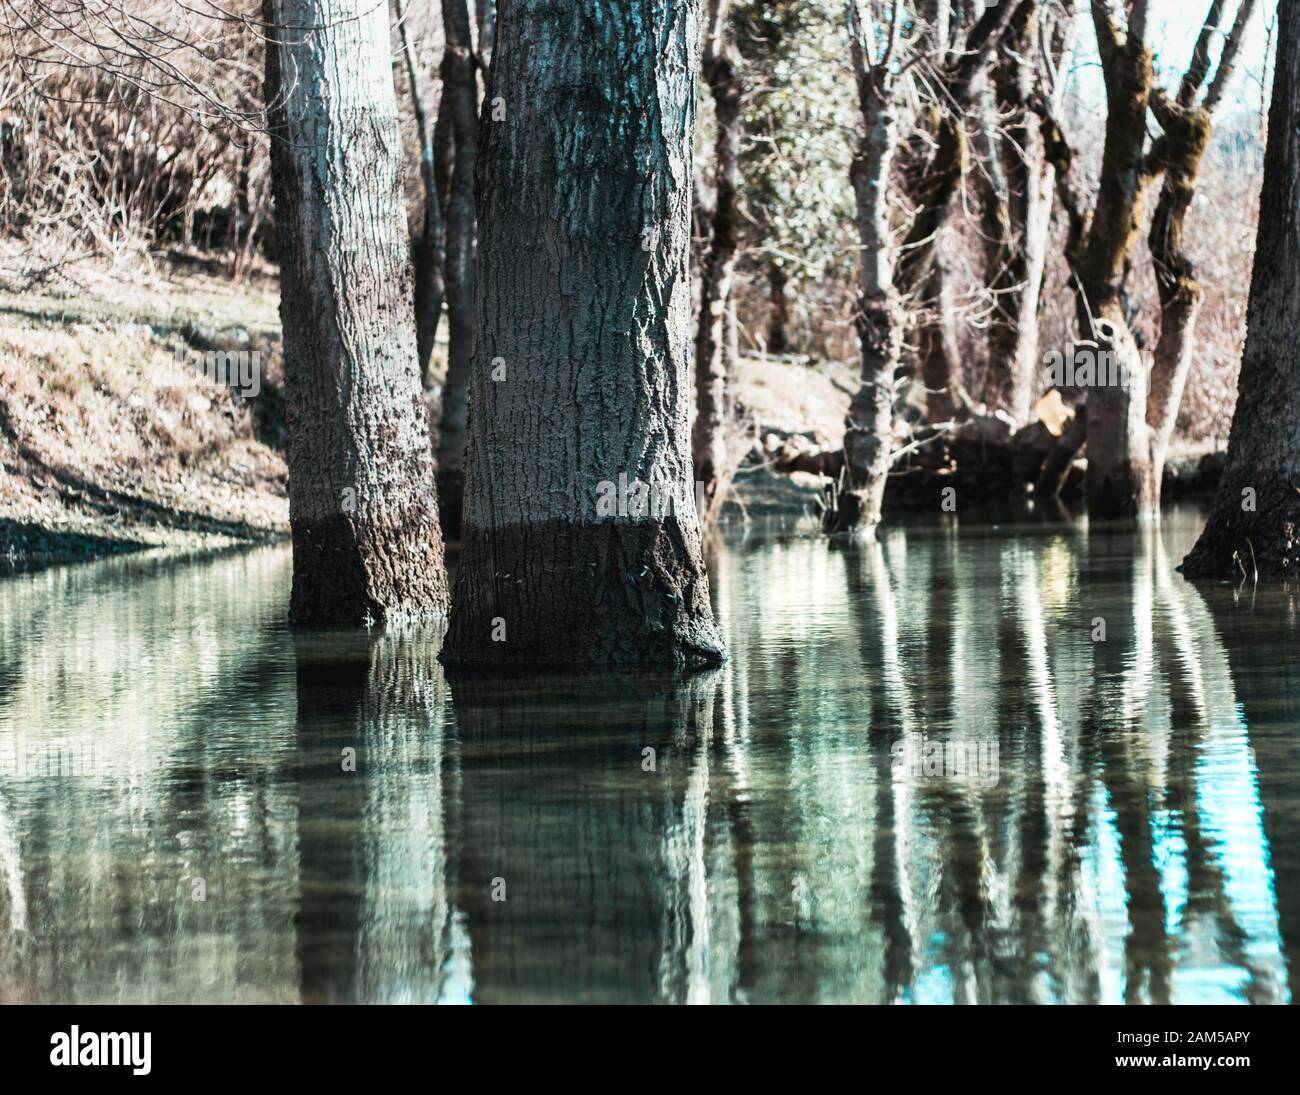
(778, 317)
(572, 554)
(939, 349)
(486, 17)
(1030, 186)
(713, 363)
(460, 99)
(868, 429)
(430, 249)
(1255, 523)
(855, 504)
(362, 502)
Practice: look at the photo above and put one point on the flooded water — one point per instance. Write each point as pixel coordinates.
(966, 764)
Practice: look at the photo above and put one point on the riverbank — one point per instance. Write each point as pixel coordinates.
(109, 444)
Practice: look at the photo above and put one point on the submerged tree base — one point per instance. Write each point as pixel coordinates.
(350, 571)
(613, 594)
(1255, 535)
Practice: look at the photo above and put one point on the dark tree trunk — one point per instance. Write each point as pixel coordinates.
(1264, 446)
(430, 250)
(714, 363)
(1030, 179)
(460, 100)
(581, 387)
(486, 15)
(362, 503)
(778, 318)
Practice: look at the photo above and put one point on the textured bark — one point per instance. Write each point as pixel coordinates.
(583, 352)
(430, 250)
(362, 503)
(1264, 445)
(713, 361)
(460, 100)
(1186, 137)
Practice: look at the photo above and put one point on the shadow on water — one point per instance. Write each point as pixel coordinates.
(961, 764)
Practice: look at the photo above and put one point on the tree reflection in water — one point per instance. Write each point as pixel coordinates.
(1138, 842)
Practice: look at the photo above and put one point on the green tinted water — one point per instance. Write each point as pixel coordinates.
(923, 776)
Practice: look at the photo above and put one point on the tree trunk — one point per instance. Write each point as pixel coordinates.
(486, 15)
(713, 363)
(573, 553)
(778, 318)
(362, 502)
(868, 428)
(460, 99)
(1186, 137)
(1121, 480)
(430, 249)
(1255, 521)
(855, 504)
(939, 349)
(1187, 132)
(1030, 182)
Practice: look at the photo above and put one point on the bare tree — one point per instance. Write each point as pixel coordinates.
(1128, 431)
(881, 62)
(1019, 208)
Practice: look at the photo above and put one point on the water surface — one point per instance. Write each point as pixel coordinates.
(924, 776)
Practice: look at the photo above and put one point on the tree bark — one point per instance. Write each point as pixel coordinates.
(1130, 422)
(583, 354)
(1259, 531)
(713, 362)
(939, 349)
(362, 503)
(460, 99)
